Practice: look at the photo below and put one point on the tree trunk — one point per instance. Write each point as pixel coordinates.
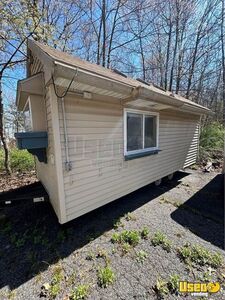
(223, 56)
(168, 55)
(104, 33)
(2, 133)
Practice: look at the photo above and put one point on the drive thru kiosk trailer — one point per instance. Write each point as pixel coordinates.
(98, 135)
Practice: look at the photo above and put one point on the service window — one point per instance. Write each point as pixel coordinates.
(140, 132)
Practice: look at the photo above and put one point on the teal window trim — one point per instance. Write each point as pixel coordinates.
(141, 154)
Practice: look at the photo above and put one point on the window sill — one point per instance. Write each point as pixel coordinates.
(141, 154)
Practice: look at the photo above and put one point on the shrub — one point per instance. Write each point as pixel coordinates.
(20, 160)
(212, 136)
(106, 276)
(211, 142)
(159, 239)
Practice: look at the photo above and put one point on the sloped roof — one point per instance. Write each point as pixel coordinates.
(73, 61)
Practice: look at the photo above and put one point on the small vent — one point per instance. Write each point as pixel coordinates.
(142, 81)
(119, 73)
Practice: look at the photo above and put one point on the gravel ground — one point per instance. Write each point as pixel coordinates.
(34, 246)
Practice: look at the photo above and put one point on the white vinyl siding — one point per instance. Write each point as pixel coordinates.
(46, 173)
(96, 148)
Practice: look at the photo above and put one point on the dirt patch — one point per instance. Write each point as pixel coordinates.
(16, 180)
(40, 258)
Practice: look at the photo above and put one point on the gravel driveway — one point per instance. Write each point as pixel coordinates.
(41, 259)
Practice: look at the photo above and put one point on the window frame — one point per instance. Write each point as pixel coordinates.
(143, 113)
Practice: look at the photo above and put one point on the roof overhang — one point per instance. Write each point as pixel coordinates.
(102, 82)
(33, 85)
(137, 96)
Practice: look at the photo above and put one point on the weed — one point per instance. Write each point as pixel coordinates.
(177, 203)
(159, 239)
(163, 200)
(141, 256)
(54, 290)
(72, 278)
(207, 276)
(118, 223)
(106, 276)
(56, 280)
(161, 288)
(179, 235)
(173, 283)
(115, 238)
(90, 256)
(113, 250)
(127, 236)
(198, 255)
(102, 253)
(20, 242)
(144, 233)
(168, 201)
(81, 292)
(216, 260)
(7, 228)
(125, 247)
(11, 295)
(130, 217)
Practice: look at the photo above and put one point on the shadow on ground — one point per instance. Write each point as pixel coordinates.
(207, 206)
(31, 238)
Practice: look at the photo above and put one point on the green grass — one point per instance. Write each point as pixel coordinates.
(106, 276)
(20, 160)
(198, 255)
(160, 239)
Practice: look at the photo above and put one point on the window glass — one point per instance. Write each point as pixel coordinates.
(134, 131)
(150, 132)
(27, 119)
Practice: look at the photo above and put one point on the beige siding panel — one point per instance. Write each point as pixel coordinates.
(193, 148)
(46, 173)
(36, 66)
(99, 172)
